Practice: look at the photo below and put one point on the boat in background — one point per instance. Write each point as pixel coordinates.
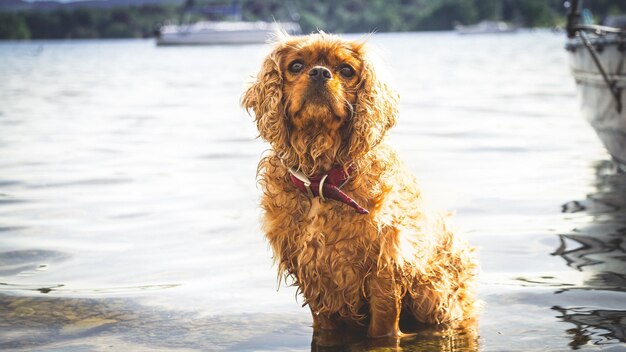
(234, 31)
(597, 56)
(223, 32)
(485, 27)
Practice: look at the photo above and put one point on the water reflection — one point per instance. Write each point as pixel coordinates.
(597, 248)
(597, 326)
(463, 337)
(122, 324)
(42, 321)
(66, 323)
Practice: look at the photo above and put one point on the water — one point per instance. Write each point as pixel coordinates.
(129, 209)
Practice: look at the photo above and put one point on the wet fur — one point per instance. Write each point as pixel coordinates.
(352, 269)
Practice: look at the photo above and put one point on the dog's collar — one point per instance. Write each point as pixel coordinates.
(326, 186)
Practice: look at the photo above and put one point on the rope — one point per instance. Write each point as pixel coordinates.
(611, 84)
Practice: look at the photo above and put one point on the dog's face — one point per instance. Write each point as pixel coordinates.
(318, 102)
(320, 82)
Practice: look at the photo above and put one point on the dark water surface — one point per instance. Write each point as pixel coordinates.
(129, 209)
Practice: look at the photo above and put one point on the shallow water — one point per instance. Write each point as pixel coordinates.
(129, 209)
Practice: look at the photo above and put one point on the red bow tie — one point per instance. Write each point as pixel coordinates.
(326, 186)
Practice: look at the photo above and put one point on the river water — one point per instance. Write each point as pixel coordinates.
(129, 209)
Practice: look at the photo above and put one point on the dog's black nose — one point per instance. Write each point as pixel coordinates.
(320, 73)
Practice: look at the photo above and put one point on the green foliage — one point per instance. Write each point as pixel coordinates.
(536, 13)
(407, 15)
(130, 22)
(328, 15)
(13, 27)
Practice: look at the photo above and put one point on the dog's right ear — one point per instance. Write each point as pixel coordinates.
(265, 98)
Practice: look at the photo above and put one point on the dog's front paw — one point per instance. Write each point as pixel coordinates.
(380, 330)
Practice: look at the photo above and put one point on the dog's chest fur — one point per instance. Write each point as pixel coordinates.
(331, 259)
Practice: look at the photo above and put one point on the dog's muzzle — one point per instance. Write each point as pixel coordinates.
(320, 74)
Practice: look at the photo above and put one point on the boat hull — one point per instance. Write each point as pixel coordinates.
(215, 33)
(599, 105)
(235, 37)
(485, 27)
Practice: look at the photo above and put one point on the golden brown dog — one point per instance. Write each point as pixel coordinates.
(345, 219)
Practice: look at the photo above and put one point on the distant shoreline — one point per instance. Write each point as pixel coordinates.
(107, 19)
(557, 31)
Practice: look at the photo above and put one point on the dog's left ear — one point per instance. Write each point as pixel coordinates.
(376, 108)
(264, 97)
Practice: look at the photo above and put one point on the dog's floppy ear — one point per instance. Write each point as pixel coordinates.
(376, 109)
(265, 97)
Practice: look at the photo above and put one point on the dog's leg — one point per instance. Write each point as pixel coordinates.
(384, 302)
(320, 321)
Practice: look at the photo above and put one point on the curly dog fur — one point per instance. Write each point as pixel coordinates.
(351, 268)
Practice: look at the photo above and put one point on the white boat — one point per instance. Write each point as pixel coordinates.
(598, 64)
(222, 32)
(485, 27)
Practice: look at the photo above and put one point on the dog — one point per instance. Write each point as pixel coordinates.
(345, 219)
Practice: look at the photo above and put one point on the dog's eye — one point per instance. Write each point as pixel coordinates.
(296, 66)
(346, 71)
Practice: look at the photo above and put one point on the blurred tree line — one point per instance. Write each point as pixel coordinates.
(330, 15)
(121, 22)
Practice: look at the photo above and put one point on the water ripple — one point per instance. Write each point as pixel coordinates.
(86, 182)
